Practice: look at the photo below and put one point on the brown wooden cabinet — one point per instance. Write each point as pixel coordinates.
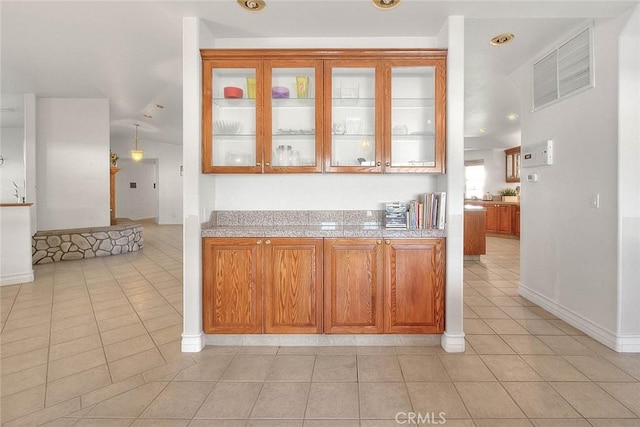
(502, 218)
(390, 286)
(237, 272)
(293, 285)
(516, 220)
(475, 230)
(353, 297)
(512, 164)
(363, 110)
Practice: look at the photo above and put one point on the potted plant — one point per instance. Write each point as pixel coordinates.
(509, 195)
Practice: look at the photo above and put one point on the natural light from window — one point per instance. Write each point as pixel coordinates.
(474, 179)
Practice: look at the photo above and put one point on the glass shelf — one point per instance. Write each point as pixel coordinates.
(293, 102)
(353, 102)
(412, 102)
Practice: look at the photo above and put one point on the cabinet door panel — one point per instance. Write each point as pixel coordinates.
(232, 286)
(414, 289)
(293, 286)
(492, 218)
(504, 219)
(353, 286)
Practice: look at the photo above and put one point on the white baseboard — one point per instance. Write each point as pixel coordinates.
(617, 342)
(192, 343)
(17, 278)
(453, 343)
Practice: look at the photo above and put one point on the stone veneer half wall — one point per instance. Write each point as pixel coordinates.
(67, 245)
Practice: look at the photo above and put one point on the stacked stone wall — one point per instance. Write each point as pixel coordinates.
(66, 245)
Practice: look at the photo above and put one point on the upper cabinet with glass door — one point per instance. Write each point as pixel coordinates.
(414, 138)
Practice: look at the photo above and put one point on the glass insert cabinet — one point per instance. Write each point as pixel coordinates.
(311, 111)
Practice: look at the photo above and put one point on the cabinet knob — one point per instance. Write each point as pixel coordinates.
(267, 242)
(258, 164)
(387, 164)
(388, 242)
(378, 242)
(267, 163)
(378, 163)
(259, 242)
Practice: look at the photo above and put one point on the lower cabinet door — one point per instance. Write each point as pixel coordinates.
(232, 285)
(293, 285)
(414, 286)
(353, 298)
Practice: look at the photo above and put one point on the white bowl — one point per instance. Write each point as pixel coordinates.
(226, 127)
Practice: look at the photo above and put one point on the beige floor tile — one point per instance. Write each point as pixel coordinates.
(74, 347)
(420, 368)
(123, 333)
(591, 401)
(526, 344)
(104, 422)
(506, 326)
(72, 322)
(22, 403)
(566, 422)
(232, 400)
(47, 414)
(162, 322)
(540, 327)
(163, 336)
(469, 313)
(248, 368)
(330, 423)
(630, 363)
(539, 400)
(333, 400)
(20, 334)
(490, 313)
(335, 369)
(79, 362)
(379, 368)
(597, 368)
(381, 401)
(594, 345)
(487, 400)
(489, 344)
(291, 369)
(23, 380)
(477, 301)
(130, 403)
(168, 371)
(103, 393)
(118, 321)
(510, 368)
(22, 361)
(179, 400)
(77, 384)
(74, 332)
(159, 423)
(336, 350)
(565, 327)
(554, 368)
(108, 315)
(566, 345)
(210, 369)
(614, 423)
(281, 400)
(420, 349)
(436, 397)
(128, 347)
(477, 327)
(466, 368)
(513, 422)
(375, 350)
(14, 348)
(626, 393)
(136, 364)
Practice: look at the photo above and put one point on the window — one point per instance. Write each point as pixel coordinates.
(474, 179)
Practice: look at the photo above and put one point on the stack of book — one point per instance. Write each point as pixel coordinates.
(428, 211)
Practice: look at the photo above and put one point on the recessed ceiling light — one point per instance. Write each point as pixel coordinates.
(483, 130)
(159, 106)
(512, 116)
(252, 5)
(147, 116)
(501, 39)
(385, 4)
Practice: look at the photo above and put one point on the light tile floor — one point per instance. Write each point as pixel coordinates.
(97, 342)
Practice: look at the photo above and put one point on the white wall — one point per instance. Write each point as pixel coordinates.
(12, 170)
(569, 250)
(142, 201)
(629, 182)
(169, 184)
(494, 166)
(72, 154)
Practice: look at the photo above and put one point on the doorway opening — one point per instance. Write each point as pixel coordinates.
(137, 190)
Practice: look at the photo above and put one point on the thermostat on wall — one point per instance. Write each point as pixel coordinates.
(538, 154)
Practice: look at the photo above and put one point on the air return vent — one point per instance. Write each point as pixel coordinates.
(564, 72)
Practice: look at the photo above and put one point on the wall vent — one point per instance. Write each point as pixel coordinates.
(566, 71)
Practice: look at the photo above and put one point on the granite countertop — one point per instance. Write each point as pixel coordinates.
(356, 224)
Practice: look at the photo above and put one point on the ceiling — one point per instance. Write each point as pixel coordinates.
(131, 51)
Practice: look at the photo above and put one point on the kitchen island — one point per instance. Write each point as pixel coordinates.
(320, 278)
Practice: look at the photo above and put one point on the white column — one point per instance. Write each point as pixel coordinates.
(192, 335)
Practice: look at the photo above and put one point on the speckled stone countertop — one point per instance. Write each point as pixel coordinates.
(348, 223)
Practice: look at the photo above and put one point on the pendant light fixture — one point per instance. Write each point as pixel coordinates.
(136, 154)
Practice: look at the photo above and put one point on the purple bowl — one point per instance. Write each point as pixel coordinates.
(279, 92)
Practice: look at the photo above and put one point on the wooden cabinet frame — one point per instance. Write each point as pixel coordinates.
(512, 164)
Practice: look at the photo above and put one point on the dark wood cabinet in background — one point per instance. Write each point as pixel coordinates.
(502, 218)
